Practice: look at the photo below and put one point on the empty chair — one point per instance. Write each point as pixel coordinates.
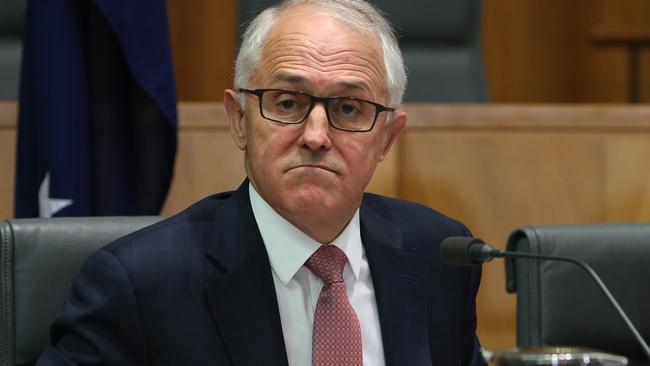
(39, 258)
(558, 303)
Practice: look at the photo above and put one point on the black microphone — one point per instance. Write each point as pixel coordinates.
(466, 251)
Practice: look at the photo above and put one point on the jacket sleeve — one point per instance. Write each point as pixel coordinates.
(100, 321)
(472, 349)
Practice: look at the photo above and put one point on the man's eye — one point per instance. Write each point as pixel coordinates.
(287, 104)
(348, 109)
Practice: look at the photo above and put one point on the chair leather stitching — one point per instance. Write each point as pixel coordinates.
(6, 233)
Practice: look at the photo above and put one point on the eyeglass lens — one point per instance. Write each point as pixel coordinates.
(292, 107)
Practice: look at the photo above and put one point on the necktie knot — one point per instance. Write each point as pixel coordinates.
(327, 263)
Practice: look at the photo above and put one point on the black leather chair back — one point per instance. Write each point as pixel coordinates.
(39, 258)
(440, 42)
(12, 13)
(559, 304)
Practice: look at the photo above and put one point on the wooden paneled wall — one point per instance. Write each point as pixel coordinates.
(534, 50)
(543, 50)
(203, 36)
(494, 167)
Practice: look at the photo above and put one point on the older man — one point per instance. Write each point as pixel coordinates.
(298, 265)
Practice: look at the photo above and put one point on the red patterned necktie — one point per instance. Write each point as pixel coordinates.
(337, 335)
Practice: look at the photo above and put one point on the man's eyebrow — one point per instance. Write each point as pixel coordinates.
(290, 78)
(343, 85)
(348, 85)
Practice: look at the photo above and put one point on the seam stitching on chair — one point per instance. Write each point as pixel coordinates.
(537, 293)
(7, 292)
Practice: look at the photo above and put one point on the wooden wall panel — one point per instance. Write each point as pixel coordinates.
(8, 118)
(525, 48)
(627, 178)
(203, 34)
(601, 70)
(543, 51)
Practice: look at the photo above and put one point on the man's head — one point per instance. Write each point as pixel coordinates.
(313, 170)
(359, 14)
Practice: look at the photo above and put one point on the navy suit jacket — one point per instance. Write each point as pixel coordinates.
(197, 289)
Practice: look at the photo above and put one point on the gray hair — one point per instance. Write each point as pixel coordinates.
(358, 14)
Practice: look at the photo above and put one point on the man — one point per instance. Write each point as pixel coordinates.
(243, 278)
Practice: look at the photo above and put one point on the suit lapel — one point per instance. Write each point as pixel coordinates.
(242, 296)
(399, 277)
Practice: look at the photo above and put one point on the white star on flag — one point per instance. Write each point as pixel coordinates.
(49, 206)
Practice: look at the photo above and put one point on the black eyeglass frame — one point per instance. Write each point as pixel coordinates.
(314, 99)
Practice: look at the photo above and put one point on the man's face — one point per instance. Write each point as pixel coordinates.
(311, 168)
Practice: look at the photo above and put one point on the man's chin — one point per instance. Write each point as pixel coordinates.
(307, 196)
(313, 192)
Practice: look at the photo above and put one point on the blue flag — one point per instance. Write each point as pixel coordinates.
(97, 128)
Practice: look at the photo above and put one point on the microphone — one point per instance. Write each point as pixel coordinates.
(466, 251)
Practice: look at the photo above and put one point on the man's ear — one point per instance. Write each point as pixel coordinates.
(236, 117)
(396, 126)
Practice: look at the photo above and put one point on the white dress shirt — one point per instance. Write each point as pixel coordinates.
(297, 288)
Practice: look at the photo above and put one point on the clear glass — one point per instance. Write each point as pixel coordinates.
(556, 356)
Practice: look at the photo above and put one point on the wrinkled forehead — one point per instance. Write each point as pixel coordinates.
(308, 38)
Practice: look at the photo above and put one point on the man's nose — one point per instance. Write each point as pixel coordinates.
(316, 129)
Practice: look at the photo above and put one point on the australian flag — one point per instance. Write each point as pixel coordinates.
(97, 127)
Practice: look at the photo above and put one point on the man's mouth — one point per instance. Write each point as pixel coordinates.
(316, 166)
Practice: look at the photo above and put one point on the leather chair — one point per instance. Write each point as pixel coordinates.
(12, 13)
(440, 41)
(559, 304)
(39, 258)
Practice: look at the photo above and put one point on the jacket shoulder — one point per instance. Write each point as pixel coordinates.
(182, 227)
(414, 216)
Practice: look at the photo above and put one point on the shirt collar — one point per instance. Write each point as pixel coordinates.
(288, 248)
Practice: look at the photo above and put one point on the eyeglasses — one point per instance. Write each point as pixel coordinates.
(293, 107)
